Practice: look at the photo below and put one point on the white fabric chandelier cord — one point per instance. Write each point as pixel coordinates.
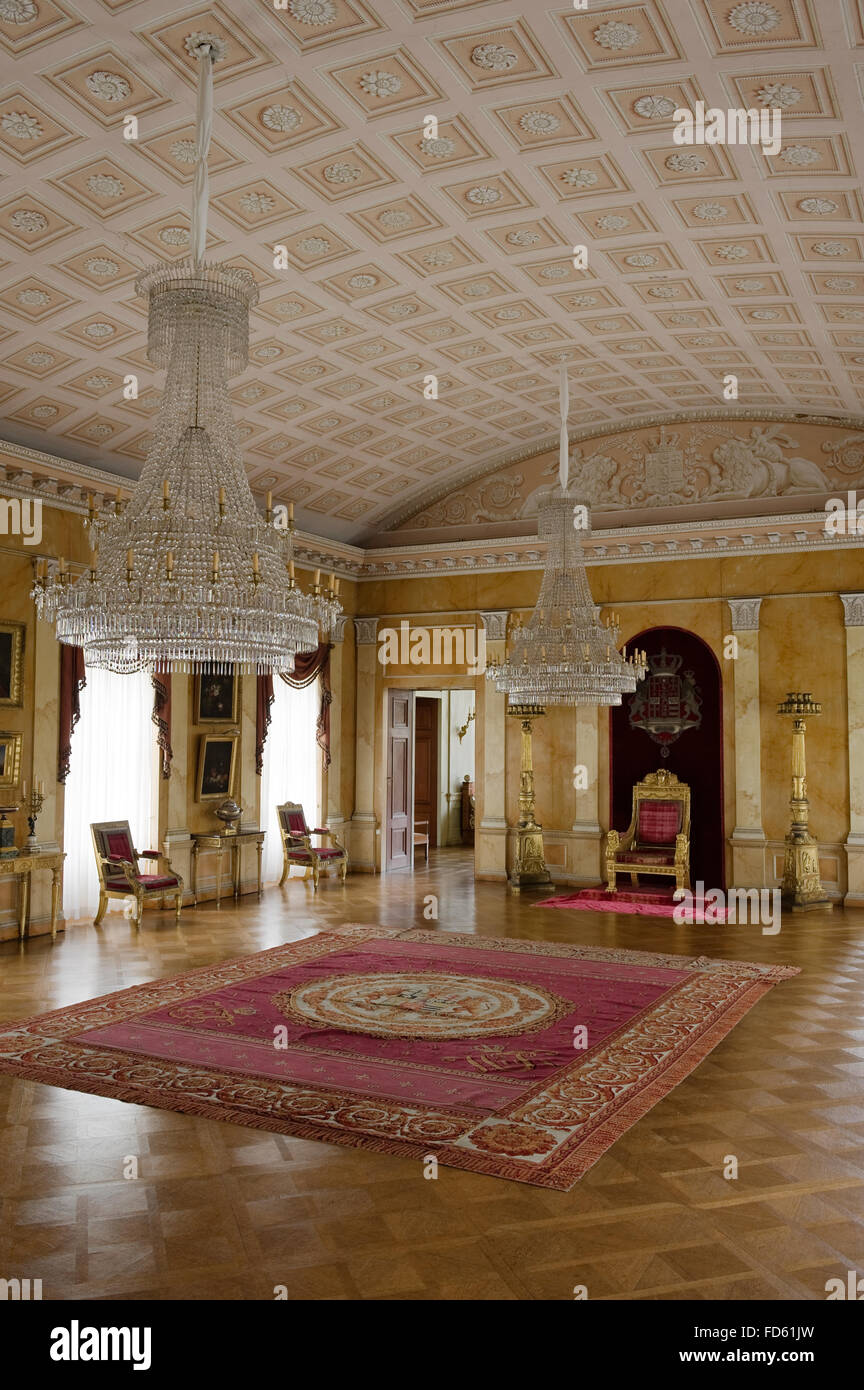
(203, 132)
(564, 442)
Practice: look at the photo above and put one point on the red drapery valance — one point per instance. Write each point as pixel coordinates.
(308, 666)
(73, 679)
(161, 717)
(262, 719)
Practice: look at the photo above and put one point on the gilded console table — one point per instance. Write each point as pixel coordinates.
(23, 866)
(218, 843)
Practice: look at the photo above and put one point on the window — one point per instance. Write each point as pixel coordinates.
(292, 765)
(112, 776)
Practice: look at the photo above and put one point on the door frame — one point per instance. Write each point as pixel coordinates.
(389, 692)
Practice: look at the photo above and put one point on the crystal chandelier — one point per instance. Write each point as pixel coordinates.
(565, 654)
(189, 575)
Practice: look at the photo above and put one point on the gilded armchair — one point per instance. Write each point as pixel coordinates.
(657, 840)
(297, 846)
(120, 875)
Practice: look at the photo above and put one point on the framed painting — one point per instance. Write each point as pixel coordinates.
(216, 699)
(10, 759)
(217, 756)
(11, 655)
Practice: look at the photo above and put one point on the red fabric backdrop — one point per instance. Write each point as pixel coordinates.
(696, 757)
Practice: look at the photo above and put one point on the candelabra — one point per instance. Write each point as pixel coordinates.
(32, 806)
(530, 864)
(802, 884)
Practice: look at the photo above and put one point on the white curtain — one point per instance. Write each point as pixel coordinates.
(112, 776)
(292, 765)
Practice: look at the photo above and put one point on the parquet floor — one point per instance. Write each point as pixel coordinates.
(228, 1213)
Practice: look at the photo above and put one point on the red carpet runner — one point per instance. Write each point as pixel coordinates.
(646, 902)
(520, 1059)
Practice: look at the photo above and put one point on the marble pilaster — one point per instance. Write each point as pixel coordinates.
(853, 613)
(490, 832)
(748, 836)
(363, 847)
(586, 843)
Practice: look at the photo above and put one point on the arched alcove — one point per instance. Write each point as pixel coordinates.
(683, 691)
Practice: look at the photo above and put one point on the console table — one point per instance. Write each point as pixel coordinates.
(217, 843)
(23, 866)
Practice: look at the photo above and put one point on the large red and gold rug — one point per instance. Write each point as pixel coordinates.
(521, 1059)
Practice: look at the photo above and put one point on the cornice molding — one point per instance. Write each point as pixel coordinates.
(648, 544)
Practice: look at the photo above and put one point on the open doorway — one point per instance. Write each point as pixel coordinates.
(430, 775)
(443, 770)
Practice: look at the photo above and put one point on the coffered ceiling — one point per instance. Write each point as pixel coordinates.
(409, 254)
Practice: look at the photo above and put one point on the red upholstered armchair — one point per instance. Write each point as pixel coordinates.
(657, 841)
(297, 846)
(119, 873)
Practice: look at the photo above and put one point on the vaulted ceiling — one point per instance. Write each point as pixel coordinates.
(410, 254)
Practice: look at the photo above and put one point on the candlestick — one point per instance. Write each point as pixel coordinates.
(801, 887)
(32, 807)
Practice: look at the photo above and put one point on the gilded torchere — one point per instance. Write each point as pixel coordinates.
(802, 885)
(530, 865)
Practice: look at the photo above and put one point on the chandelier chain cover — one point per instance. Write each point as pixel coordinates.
(189, 575)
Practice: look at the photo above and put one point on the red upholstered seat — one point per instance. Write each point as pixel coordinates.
(303, 854)
(147, 881)
(645, 856)
(659, 822)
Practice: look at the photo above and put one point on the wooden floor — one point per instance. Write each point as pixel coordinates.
(228, 1213)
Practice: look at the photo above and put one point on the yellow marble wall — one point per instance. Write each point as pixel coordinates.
(37, 718)
(801, 644)
(802, 647)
